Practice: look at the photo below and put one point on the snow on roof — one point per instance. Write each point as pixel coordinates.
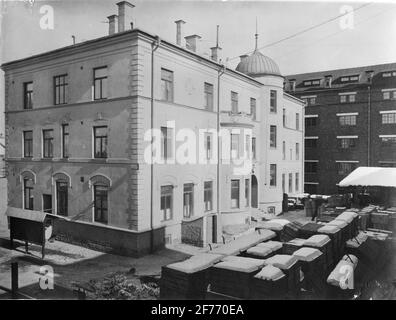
(370, 176)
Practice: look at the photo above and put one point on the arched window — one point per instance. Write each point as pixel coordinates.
(28, 179)
(62, 183)
(101, 186)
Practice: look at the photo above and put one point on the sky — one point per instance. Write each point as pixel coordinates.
(367, 39)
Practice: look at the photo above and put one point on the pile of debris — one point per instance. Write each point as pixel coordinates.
(120, 286)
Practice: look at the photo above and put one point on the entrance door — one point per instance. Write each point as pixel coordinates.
(47, 203)
(61, 198)
(214, 229)
(254, 192)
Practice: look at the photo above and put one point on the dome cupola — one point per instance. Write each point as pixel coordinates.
(257, 64)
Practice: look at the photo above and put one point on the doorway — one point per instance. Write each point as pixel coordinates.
(47, 203)
(61, 198)
(254, 196)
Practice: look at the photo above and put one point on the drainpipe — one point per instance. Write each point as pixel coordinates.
(154, 46)
(369, 126)
(220, 73)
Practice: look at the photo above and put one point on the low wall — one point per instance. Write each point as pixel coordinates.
(107, 239)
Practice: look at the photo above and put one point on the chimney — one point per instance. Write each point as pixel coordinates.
(124, 15)
(243, 57)
(292, 85)
(216, 50)
(192, 42)
(179, 24)
(112, 23)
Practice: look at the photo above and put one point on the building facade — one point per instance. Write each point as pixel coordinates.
(119, 134)
(350, 121)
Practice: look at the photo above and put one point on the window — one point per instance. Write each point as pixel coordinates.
(311, 167)
(309, 83)
(61, 198)
(100, 83)
(273, 136)
(28, 194)
(284, 117)
(290, 182)
(389, 95)
(247, 192)
(311, 143)
(166, 144)
(247, 146)
(254, 154)
(208, 195)
(297, 182)
(208, 145)
(389, 74)
(253, 108)
(234, 102)
(273, 175)
(188, 200)
(65, 141)
(28, 95)
(311, 122)
(60, 92)
(167, 85)
(345, 168)
(48, 143)
(283, 182)
(28, 144)
(344, 98)
(297, 121)
(310, 101)
(291, 154)
(347, 120)
(100, 142)
(273, 102)
(208, 96)
(167, 202)
(388, 141)
(388, 118)
(284, 150)
(353, 78)
(100, 204)
(234, 146)
(297, 151)
(346, 143)
(234, 194)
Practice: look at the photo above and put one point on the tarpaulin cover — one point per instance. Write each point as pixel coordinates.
(370, 176)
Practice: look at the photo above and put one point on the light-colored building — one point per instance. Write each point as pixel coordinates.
(78, 137)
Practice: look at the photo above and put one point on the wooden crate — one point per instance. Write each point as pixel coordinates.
(230, 282)
(309, 229)
(179, 285)
(268, 289)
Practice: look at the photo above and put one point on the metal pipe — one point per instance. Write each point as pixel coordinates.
(154, 47)
(220, 73)
(369, 126)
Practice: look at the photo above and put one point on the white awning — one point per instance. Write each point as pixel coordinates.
(370, 176)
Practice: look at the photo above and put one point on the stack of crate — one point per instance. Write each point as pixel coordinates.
(233, 276)
(187, 279)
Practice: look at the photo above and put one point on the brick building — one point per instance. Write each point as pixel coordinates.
(350, 121)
